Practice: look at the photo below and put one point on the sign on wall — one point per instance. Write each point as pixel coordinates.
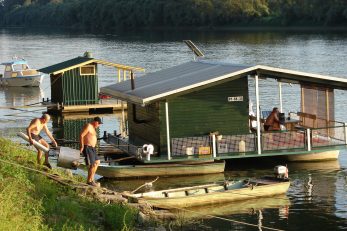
(235, 98)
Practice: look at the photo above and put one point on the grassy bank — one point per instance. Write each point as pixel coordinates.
(30, 201)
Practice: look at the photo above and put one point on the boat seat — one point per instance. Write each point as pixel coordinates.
(30, 72)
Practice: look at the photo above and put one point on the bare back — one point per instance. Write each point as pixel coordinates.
(88, 135)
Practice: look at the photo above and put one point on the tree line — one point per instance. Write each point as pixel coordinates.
(104, 15)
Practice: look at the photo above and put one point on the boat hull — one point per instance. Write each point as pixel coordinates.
(176, 200)
(316, 156)
(26, 81)
(135, 171)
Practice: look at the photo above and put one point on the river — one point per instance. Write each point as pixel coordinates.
(317, 198)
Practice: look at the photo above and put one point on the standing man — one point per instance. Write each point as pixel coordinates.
(33, 131)
(87, 148)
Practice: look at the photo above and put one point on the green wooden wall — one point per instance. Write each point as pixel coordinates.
(201, 112)
(74, 89)
(144, 132)
(56, 88)
(194, 114)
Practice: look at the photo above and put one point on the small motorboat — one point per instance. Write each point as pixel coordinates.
(17, 73)
(215, 193)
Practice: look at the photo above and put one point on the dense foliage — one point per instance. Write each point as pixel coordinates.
(106, 15)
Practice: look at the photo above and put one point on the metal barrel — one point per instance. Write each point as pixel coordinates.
(68, 157)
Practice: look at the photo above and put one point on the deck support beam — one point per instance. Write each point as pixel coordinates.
(258, 113)
(167, 130)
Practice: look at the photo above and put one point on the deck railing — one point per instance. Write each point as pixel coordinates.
(282, 140)
(191, 146)
(223, 145)
(330, 136)
(125, 145)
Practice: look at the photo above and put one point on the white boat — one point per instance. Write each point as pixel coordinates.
(17, 73)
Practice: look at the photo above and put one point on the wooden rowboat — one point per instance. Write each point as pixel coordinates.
(213, 193)
(153, 170)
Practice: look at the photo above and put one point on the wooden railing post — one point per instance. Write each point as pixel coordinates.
(345, 128)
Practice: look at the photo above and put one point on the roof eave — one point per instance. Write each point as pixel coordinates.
(122, 96)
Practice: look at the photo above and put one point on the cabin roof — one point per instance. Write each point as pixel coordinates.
(196, 75)
(81, 61)
(15, 62)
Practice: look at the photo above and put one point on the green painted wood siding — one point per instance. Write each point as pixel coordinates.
(56, 88)
(77, 89)
(194, 114)
(144, 133)
(208, 110)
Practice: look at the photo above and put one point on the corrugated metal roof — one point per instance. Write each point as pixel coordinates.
(191, 75)
(173, 80)
(81, 61)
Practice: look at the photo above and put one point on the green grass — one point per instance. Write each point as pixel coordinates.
(30, 201)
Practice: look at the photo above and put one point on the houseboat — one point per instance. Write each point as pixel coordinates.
(17, 73)
(200, 109)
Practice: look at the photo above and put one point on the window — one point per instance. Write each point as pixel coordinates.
(87, 70)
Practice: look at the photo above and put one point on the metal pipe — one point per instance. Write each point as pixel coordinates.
(258, 113)
(167, 130)
(214, 148)
(280, 95)
(308, 132)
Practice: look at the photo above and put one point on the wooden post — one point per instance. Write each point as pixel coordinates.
(119, 79)
(124, 75)
(345, 133)
(258, 113)
(167, 130)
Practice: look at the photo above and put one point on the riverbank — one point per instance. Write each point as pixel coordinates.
(31, 201)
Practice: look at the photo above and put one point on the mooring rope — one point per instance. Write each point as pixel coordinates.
(226, 219)
(41, 172)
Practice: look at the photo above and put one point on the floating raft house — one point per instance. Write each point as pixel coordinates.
(75, 87)
(201, 108)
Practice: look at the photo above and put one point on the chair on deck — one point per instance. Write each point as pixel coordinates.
(265, 114)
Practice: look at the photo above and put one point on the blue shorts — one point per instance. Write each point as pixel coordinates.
(90, 155)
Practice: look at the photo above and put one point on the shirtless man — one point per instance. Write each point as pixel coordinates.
(272, 122)
(87, 148)
(33, 131)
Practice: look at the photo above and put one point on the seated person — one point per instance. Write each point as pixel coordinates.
(272, 122)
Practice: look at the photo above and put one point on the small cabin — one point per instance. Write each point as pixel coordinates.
(75, 81)
(203, 108)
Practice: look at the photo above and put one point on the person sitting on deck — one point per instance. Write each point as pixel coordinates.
(272, 122)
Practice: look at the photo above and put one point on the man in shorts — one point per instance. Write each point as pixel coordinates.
(33, 131)
(88, 140)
